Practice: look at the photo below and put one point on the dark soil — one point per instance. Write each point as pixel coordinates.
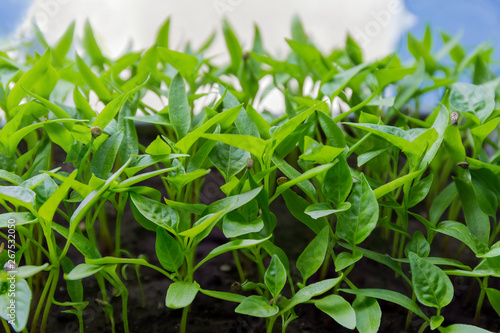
(212, 315)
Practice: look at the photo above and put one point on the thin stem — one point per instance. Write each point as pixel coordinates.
(479, 305)
(48, 304)
(238, 266)
(41, 301)
(410, 313)
(5, 326)
(270, 324)
(423, 327)
(184, 319)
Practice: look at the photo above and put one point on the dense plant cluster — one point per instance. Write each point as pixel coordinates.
(356, 157)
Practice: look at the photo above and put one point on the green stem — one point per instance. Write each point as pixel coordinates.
(121, 207)
(423, 327)
(238, 266)
(5, 326)
(41, 301)
(270, 324)
(479, 305)
(50, 297)
(410, 313)
(184, 319)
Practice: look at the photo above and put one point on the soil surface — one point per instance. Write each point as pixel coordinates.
(212, 315)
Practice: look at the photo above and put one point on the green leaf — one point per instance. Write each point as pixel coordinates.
(80, 242)
(92, 80)
(418, 244)
(82, 105)
(310, 291)
(257, 306)
(229, 160)
(230, 297)
(168, 251)
(30, 79)
(10, 177)
(253, 145)
(339, 309)
(494, 298)
(316, 152)
(181, 294)
(320, 210)
(130, 142)
(184, 63)
(91, 47)
(386, 76)
(441, 202)
(22, 302)
(291, 173)
(389, 187)
(236, 224)
(224, 119)
(275, 277)
(345, 259)
(298, 33)
(462, 328)
(145, 176)
(281, 132)
(158, 147)
(461, 232)
(436, 321)
(453, 143)
(368, 156)
(477, 221)
(18, 196)
(298, 206)
(421, 51)
(205, 223)
(311, 259)
(81, 134)
(50, 206)
(419, 191)
(278, 66)
(104, 158)
(152, 214)
(233, 46)
(230, 246)
(368, 314)
(333, 133)
(338, 182)
(431, 285)
(109, 112)
(233, 202)
(181, 180)
(83, 271)
(26, 271)
(353, 51)
(340, 81)
(89, 202)
(390, 296)
(64, 44)
(19, 218)
(306, 175)
(479, 133)
(394, 135)
(486, 187)
(477, 100)
(356, 224)
(162, 37)
(178, 107)
(311, 56)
